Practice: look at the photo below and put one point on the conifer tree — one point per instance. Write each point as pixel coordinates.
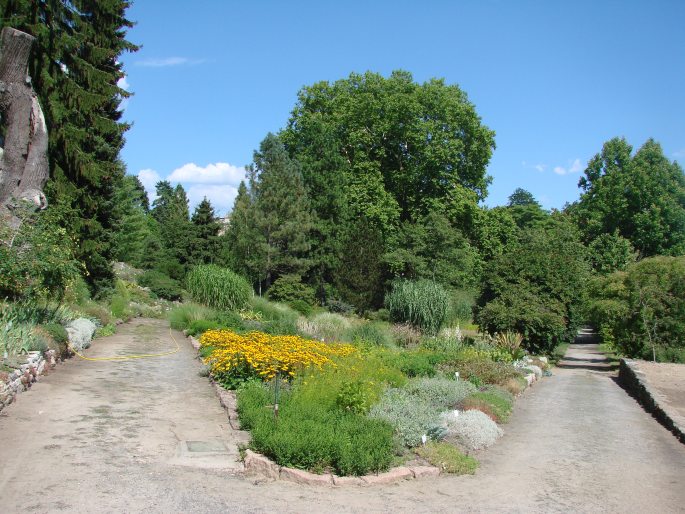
(75, 69)
(205, 233)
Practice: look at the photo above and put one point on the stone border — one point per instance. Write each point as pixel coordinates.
(633, 381)
(256, 464)
(22, 378)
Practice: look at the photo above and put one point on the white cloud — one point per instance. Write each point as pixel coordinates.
(149, 179)
(575, 167)
(221, 197)
(123, 83)
(168, 61)
(214, 173)
(540, 167)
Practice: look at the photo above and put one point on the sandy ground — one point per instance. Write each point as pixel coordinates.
(668, 381)
(113, 437)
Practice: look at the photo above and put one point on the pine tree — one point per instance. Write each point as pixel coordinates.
(205, 234)
(170, 210)
(131, 206)
(75, 69)
(282, 211)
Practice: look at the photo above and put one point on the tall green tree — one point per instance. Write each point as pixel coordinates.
(134, 229)
(640, 196)
(170, 210)
(75, 69)
(204, 249)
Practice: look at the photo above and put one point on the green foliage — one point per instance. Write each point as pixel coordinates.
(499, 402)
(200, 326)
(461, 306)
(161, 285)
(480, 370)
(311, 435)
(217, 287)
(521, 197)
(56, 331)
(276, 318)
(327, 326)
(205, 232)
(537, 286)
(641, 311)
(289, 288)
(182, 316)
(440, 392)
(610, 252)
(448, 458)
(356, 396)
(105, 330)
(641, 197)
(410, 418)
(423, 304)
(371, 332)
(302, 307)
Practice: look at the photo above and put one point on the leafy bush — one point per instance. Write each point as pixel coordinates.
(510, 342)
(288, 289)
(409, 418)
(461, 306)
(482, 368)
(448, 458)
(182, 316)
(339, 307)
(471, 429)
(275, 318)
(441, 393)
(422, 303)
(217, 287)
(201, 326)
(641, 311)
(57, 332)
(309, 435)
(375, 333)
(301, 306)
(118, 305)
(163, 286)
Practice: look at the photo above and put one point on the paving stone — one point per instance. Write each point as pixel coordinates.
(389, 477)
(300, 476)
(260, 465)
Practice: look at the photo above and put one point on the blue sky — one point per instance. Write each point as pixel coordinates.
(553, 79)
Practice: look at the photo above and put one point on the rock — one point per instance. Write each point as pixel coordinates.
(341, 481)
(535, 369)
(260, 465)
(389, 477)
(425, 471)
(80, 332)
(305, 477)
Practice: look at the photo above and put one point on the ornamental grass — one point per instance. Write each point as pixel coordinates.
(237, 358)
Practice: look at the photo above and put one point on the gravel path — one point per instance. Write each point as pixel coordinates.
(114, 437)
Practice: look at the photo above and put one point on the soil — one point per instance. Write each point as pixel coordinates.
(668, 382)
(149, 435)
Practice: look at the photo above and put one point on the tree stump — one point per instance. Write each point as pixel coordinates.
(23, 160)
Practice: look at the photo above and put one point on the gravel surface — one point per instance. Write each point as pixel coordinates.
(113, 437)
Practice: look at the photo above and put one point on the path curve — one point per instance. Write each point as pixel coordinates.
(108, 436)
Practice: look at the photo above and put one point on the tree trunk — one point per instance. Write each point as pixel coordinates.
(23, 162)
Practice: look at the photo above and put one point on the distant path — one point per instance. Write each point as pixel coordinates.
(109, 435)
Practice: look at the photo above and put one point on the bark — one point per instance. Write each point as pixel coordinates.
(23, 163)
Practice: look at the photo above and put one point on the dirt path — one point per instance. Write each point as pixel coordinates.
(108, 440)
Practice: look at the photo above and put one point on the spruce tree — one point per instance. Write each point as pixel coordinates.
(205, 233)
(75, 68)
(170, 210)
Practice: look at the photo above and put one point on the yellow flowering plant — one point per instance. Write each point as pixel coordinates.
(236, 358)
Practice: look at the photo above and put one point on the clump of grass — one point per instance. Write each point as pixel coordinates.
(480, 370)
(371, 332)
(448, 458)
(406, 335)
(423, 304)
(182, 316)
(326, 325)
(218, 287)
(442, 393)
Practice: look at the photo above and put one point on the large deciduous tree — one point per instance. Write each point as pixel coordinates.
(640, 197)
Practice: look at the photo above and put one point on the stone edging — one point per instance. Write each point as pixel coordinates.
(632, 380)
(256, 464)
(23, 377)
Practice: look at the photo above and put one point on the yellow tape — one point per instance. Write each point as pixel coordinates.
(127, 357)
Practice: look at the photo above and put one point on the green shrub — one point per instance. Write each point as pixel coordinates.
(461, 306)
(339, 307)
(182, 316)
(301, 306)
(409, 418)
(480, 370)
(118, 305)
(200, 326)
(442, 393)
(288, 289)
(448, 458)
(161, 285)
(274, 312)
(375, 333)
(57, 332)
(217, 287)
(422, 303)
(309, 435)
